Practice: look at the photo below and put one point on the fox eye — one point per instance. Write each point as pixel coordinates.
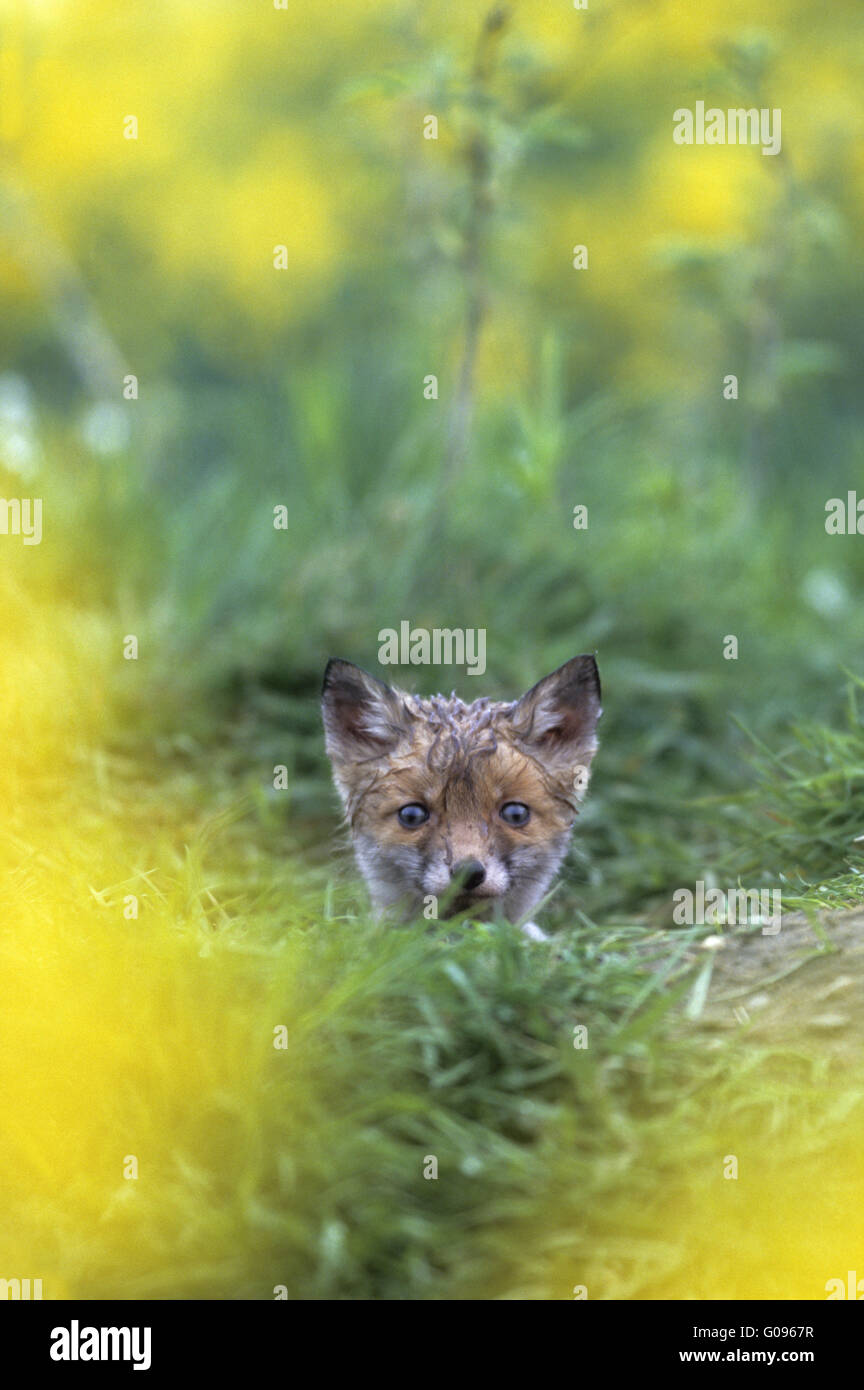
(515, 813)
(413, 815)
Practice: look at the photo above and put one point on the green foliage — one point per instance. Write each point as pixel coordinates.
(556, 388)
(804, 815)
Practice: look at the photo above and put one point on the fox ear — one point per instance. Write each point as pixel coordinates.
(557, 720)
(363, 717)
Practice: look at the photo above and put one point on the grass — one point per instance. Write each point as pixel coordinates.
(147, 785)
(152, 1037)
(301, 1167)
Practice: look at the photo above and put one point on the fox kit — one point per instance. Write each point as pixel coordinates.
(470, 803)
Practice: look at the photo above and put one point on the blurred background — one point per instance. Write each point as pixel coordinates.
(407, 257)
(306, 386)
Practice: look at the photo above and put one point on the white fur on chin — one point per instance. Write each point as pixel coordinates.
(532, 930)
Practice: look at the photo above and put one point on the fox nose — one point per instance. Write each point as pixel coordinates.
(469, 872)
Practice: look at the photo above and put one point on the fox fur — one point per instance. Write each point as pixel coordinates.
(461, 764)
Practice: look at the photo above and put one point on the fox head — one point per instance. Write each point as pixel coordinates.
(472, 803)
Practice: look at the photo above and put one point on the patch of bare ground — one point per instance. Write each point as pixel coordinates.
(804, 986)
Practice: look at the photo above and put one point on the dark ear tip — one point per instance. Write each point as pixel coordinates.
(590, 671)
(351, 681)
(334, 668)
(583, 670)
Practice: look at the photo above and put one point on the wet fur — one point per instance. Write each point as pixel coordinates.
(462, 761)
